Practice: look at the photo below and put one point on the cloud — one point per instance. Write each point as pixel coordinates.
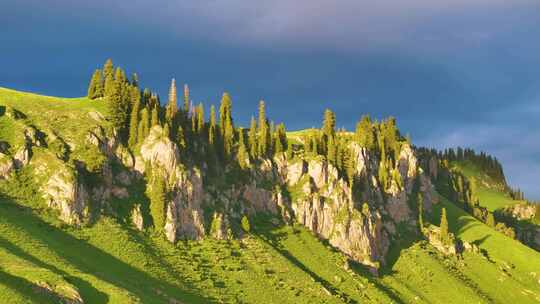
(340, 24)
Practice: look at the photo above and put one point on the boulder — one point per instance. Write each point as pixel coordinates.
(137, 217)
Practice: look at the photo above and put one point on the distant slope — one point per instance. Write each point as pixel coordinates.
(491, 193)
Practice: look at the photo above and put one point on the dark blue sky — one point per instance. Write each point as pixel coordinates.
(460, 72)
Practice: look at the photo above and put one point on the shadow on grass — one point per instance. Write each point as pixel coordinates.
(86, 290)
(25, 288)
(267, 233)
(92, 260)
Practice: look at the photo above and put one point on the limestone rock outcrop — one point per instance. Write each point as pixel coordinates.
(521, 211)
(64, 192)
(184, 215)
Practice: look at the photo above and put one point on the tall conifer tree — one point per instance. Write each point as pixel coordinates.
(212, 127)
(158, 194)
(444, 226)
(252, 138)
(200, 118)
(243, 157)
(364, 133)
(94, 88)
(186, 98)
(154, 120)
(226, 123)
(264, 132)
(172, 105)
(108, 68)
(134, 117)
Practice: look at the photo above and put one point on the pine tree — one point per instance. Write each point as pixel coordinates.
(364, 133)
(331, 151)
(314, 145)
(193, 115)
(264, 134)
(490, 220)
(243, 157)
(158, 194)
(252, 138)
(245, 224)
(172, 106)
(155, 117)
(118, 103)
(444, 227)
(108, 68)
(109, 85)
(94, 86)
(383, 174)
(420, 200)
(134, 117)
(212, 127)
(167, 130)
(200, 118)
(280, 138)
(350, 167)
(144, 127)
(226, 123)
(181, 138)
(329, 136)
(329, 124)
(186, 98)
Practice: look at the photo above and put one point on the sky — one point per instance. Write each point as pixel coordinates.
(453, 72)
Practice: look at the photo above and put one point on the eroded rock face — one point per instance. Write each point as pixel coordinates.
(171, 223)
(66, 194)
(322, 200)
(158, 150)
(260, 200)
(220, 226)
(6, 165)
(327, 208)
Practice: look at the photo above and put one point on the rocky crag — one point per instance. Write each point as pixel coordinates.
(308, 190)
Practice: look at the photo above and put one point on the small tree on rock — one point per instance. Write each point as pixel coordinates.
(245, 224)
(445, 237)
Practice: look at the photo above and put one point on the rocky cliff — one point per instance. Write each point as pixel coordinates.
(358, 220)
(306, 190)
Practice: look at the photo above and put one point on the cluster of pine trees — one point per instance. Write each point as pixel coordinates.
(216, 140)
(516, 194)
(484, 161)
(383, 138)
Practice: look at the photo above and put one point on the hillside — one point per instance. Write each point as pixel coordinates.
(78, 221)
(492, 194)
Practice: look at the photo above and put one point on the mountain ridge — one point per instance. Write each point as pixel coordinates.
(117, 172)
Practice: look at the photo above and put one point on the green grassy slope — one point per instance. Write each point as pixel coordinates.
(69, 118)
(110, 262)
(491, 193)
(510, 271)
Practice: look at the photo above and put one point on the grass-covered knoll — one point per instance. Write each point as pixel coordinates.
(491, 193)
(69, 118)
(509, 271)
